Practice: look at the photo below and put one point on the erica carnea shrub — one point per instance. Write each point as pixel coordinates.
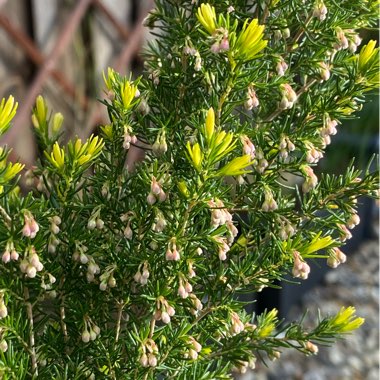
(119, 268)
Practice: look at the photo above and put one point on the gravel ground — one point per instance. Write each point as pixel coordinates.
(355, 283)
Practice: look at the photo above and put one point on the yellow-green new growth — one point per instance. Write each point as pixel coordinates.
(83, 153)
(210, 124)
(57, 156)
(368, 64)
(346, 320)
(318, 243)
(7, 112)
(8, 170)
(207, 17)
(128, 93)
(195, 154)
(268, 324)
(236, 167)
(368, 54)
(250, 40)
(110, 79)
(57, 122)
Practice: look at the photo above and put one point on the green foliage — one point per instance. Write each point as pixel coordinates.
(130, 269)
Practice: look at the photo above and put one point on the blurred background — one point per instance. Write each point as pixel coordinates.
(59, 48)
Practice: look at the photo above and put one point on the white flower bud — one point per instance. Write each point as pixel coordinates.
(3, 310)
(31, 271)
(34, 259)
(92, 335)
(56, 220)
(143, 360)
(111, 282)
(165, 317)
(96, 329)
(152, 360)
(24, 265)
(3, 346)
(91, 224)
(54, 229)
(6, 257)
(99, 224)
(83, 258)
(85, 336)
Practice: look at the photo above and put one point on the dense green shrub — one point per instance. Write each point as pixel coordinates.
(131, 269)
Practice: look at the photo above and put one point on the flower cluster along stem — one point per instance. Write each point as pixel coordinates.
(279, 110)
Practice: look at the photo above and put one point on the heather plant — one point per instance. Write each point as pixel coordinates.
(119, 268)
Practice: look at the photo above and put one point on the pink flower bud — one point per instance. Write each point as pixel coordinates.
(224, 44)
(188, 287)
(26, 231)
(169, 255)
(170, 310)
(182, 292)
(162, 196)
(175, 255)
(145, 273)
(193, 354)
(143, 360)
(215, 48)
(165, 317)
(14, 255)
(155, 187)
(151, 199)
(311, 347)
(152, 360)
(6, 257)
(128, 233)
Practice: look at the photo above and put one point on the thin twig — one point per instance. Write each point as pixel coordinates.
(118, 321)
(29, 310)
(152, 326)
(63, 324)
(7, 218)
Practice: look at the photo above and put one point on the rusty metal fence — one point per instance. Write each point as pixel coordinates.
(59, 48)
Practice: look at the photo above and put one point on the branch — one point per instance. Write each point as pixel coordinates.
(32, 348)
